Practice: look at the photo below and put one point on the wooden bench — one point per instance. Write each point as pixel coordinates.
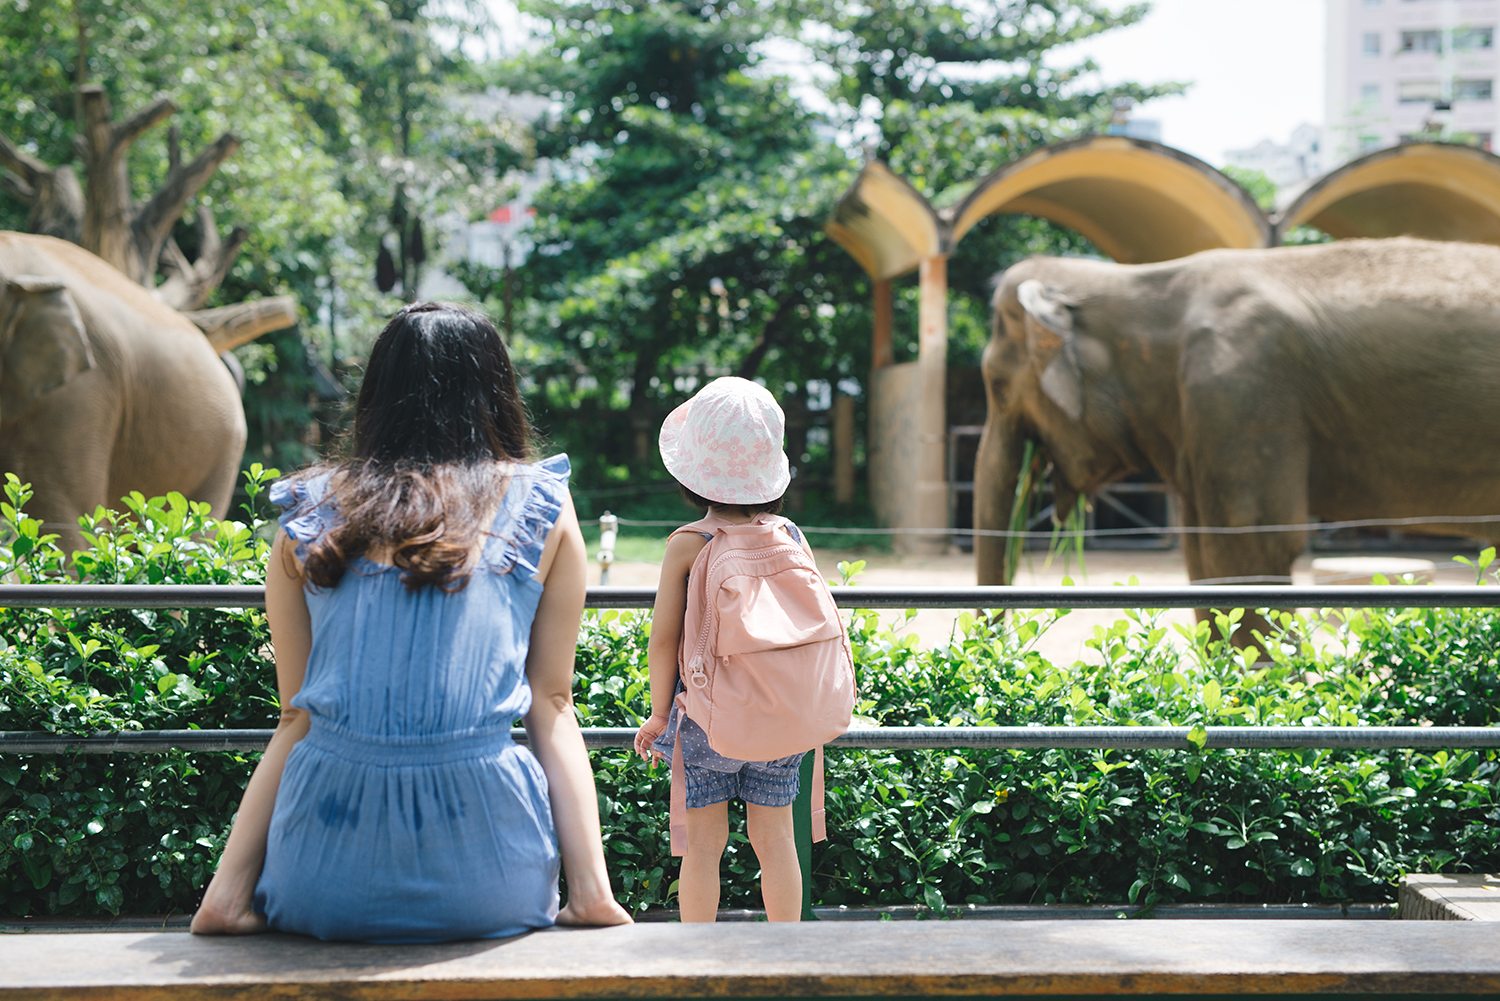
(889, 959)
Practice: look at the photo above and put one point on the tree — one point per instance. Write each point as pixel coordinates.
(682, 239)
(333, 103)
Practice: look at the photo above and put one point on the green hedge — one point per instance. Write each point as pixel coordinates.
(88, 835)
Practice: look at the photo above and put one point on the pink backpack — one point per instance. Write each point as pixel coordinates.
(765, 660)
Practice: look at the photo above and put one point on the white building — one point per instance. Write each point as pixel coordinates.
(1287, 164)
(1408, 69)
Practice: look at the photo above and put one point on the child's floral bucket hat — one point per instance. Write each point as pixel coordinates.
(724, 444)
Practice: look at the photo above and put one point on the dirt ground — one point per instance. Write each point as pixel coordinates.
(1064, 642)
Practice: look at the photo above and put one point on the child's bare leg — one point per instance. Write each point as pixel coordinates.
(698, 886)
(771, 836)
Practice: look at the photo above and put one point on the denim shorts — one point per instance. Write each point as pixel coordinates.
(764, 783)
(712, 778)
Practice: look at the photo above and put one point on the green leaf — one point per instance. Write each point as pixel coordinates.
(933, 898)
(1197, 736)
(37, 870)
(1212, 697)
(166, 683)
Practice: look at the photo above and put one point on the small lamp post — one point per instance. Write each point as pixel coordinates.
(609, 527)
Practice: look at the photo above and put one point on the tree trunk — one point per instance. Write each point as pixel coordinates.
(108, 209)
(54, 193)
(136, 239)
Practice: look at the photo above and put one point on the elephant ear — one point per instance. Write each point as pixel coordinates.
(1053, 346)
(42, 341)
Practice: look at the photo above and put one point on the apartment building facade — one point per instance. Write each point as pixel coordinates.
(1410, 69)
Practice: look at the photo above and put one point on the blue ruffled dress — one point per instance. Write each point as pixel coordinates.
(408, 814)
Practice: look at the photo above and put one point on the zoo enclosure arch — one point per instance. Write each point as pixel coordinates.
(1136, 200)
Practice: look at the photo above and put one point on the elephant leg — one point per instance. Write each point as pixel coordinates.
(1192, 543)
(217, 487)
(996, 470)
(61, 446)
(1236, 491)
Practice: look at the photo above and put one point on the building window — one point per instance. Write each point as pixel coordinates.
(1370, 45)
(1419, 91)
(1421, 41)
(1468, 39)
(1369, 93)
(1473, 90)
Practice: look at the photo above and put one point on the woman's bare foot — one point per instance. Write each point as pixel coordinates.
(597, 914)
(211, 920)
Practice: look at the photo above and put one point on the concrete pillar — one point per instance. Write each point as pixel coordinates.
(843, 448)
(882, 351)
(930, 509)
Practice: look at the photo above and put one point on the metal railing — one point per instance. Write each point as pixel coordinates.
(1185, 596)
(906, 738)
(998, 737)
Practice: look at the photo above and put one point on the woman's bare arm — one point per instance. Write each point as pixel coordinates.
(227, 907)
(552, 727)
(666, 635)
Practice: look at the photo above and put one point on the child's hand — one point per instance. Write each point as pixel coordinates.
(646, 736)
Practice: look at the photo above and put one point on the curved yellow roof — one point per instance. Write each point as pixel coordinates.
(1138, 201)
(1440, 191)
(886, 225)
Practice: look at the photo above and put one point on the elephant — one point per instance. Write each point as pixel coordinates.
(1349, 380)
(104, 390)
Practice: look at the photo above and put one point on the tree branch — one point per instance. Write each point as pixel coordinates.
(155, 219)
(126, 132)
(230, 326)
(21, 163)
(54, 194)
(18, 187)
(770, 334)
(188, 286)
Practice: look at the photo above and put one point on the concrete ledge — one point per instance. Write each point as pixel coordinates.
(888, 959)
(1459, 897)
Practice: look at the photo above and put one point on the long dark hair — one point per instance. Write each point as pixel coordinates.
(437, 424)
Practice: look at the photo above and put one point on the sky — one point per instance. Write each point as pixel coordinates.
(1256, 67)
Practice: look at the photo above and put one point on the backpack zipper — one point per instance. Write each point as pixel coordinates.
(697, 677)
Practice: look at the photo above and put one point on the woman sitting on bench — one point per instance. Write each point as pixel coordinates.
(422, 596)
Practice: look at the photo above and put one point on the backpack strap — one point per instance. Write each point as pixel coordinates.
(677, 816)
(819, 798)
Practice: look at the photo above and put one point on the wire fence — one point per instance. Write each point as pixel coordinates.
(1007, 597)
(1100, 533)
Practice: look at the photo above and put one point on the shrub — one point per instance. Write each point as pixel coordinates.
(96, 834)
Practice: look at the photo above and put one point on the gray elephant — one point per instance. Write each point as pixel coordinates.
(1349, 380)
(105, 390)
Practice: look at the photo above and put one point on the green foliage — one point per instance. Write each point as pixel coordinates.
(1150, 827)
(336, 103)
(87, 834)
(95, 834)
(681, 237)
(1256, 184)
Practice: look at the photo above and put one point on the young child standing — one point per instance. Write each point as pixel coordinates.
(724, 448)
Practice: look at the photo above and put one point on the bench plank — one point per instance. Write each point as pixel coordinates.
(762, 960)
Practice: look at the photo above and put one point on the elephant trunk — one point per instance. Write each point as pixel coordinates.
(997, 472)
